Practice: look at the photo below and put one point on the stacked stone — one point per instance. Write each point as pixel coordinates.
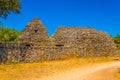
(87, 41)
(34, 33)
(34, 43)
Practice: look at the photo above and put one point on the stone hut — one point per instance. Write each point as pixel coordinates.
(84, 40)
(34, 34)
(35, 44)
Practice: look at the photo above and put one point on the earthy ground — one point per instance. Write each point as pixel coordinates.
(98, 68)
(104, 74)
(102, 71)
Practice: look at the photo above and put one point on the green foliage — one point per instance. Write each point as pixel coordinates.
(0, 23)
(117, 40)
(8, 34)
(111, 36)
(9, 6)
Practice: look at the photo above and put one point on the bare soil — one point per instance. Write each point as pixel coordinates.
(102, 71)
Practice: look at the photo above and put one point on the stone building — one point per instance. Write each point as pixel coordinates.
(35, 44)
(34, 34)
(86, 40)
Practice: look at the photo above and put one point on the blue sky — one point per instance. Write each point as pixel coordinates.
(102, 15)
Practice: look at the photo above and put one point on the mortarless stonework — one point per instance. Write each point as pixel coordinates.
(34, 33)
(87, 41)
(35, 44)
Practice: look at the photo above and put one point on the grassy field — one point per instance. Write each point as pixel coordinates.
(31, 71)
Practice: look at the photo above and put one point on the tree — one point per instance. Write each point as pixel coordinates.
(8, 34)
(117, 40)
(9, 6)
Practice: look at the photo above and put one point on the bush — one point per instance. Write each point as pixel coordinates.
(117, 40)
(9, 34)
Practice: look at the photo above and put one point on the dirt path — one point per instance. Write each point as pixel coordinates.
(102, 71)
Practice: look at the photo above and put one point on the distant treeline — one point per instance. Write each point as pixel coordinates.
(117, 40)
(9, 34)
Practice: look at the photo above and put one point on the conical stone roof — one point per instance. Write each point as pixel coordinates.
(34, 33)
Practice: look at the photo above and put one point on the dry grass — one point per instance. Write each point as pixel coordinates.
(118, 74)
(31, 71)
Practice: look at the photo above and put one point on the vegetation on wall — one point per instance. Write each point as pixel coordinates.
(9, 34)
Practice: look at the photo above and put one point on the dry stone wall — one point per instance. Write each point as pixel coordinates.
(34, 34)
(34, 43)
(87, 41)
(14, 52)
